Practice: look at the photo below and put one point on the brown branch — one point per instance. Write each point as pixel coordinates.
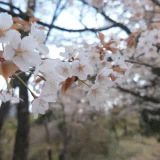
(137, 94)
(24, 16)
(120, 25)
(140, 63)
(54, 17)
(156, 2)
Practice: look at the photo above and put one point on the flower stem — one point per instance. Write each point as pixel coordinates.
(25, 85)
(85, 83)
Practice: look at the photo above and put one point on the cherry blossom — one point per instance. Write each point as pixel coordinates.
(64, 69)
(40, 37)
(22, 53)
(48, 70)
(41, 104)
(97, 95)
(70, 52)
(8, 96)
(103, 77)
(95, 68)
(5, 24)
(81, 69)
(154, 36)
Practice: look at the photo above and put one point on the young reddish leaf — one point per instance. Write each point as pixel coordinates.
(118, 69)
(32, 20)
(39, 80)
(7, 68)
(41, 28)
(113, 77)
(16, 27)
(68, 83)
(1, 54)
(111, 42)
(101, 37)
(131, 41)
(108, 47)
(17, 20)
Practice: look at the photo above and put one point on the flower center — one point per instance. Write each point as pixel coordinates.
(80, 68)
(94, 92)
(19, 52)
(2, 32)
(65, 70)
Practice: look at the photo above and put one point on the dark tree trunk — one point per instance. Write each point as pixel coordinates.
(65, 135)
(4, 109)
(22, 134)
(3, 112)
(48, 139)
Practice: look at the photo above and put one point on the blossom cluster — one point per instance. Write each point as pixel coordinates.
(95, 68)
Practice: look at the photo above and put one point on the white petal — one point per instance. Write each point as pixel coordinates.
(4, 38)
(82, 76)
(11, 35)
(43, 49)
(40, 36)
(35, 105)
(5, 21)
(8, 52)
(21, 63)
(32, 58)
(41, 110)
(14, 37)
(28, 43)
(33, 29)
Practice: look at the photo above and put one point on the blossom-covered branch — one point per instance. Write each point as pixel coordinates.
(95, 68)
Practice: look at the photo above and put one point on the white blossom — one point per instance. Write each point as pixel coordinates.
(40, 104)
(8, 96)
(64, 69)
(81, 69)
(48, 70)
(97, 95)
(5, 24)
(103, 77)
(70, 52)
(22, 53)
(40, 37)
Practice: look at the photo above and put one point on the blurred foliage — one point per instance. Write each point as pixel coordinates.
(112, 137)
(7, 137)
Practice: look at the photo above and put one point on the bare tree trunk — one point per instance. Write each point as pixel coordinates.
(48, 139)
(3, 112)
(22, 134)
(66, 137)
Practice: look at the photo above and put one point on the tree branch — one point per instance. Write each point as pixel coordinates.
(120, 25)
(137, 94)
(156, 2)
(140, 63)
(24, 16)
(54, 17)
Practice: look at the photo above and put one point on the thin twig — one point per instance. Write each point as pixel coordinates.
(140, 63)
